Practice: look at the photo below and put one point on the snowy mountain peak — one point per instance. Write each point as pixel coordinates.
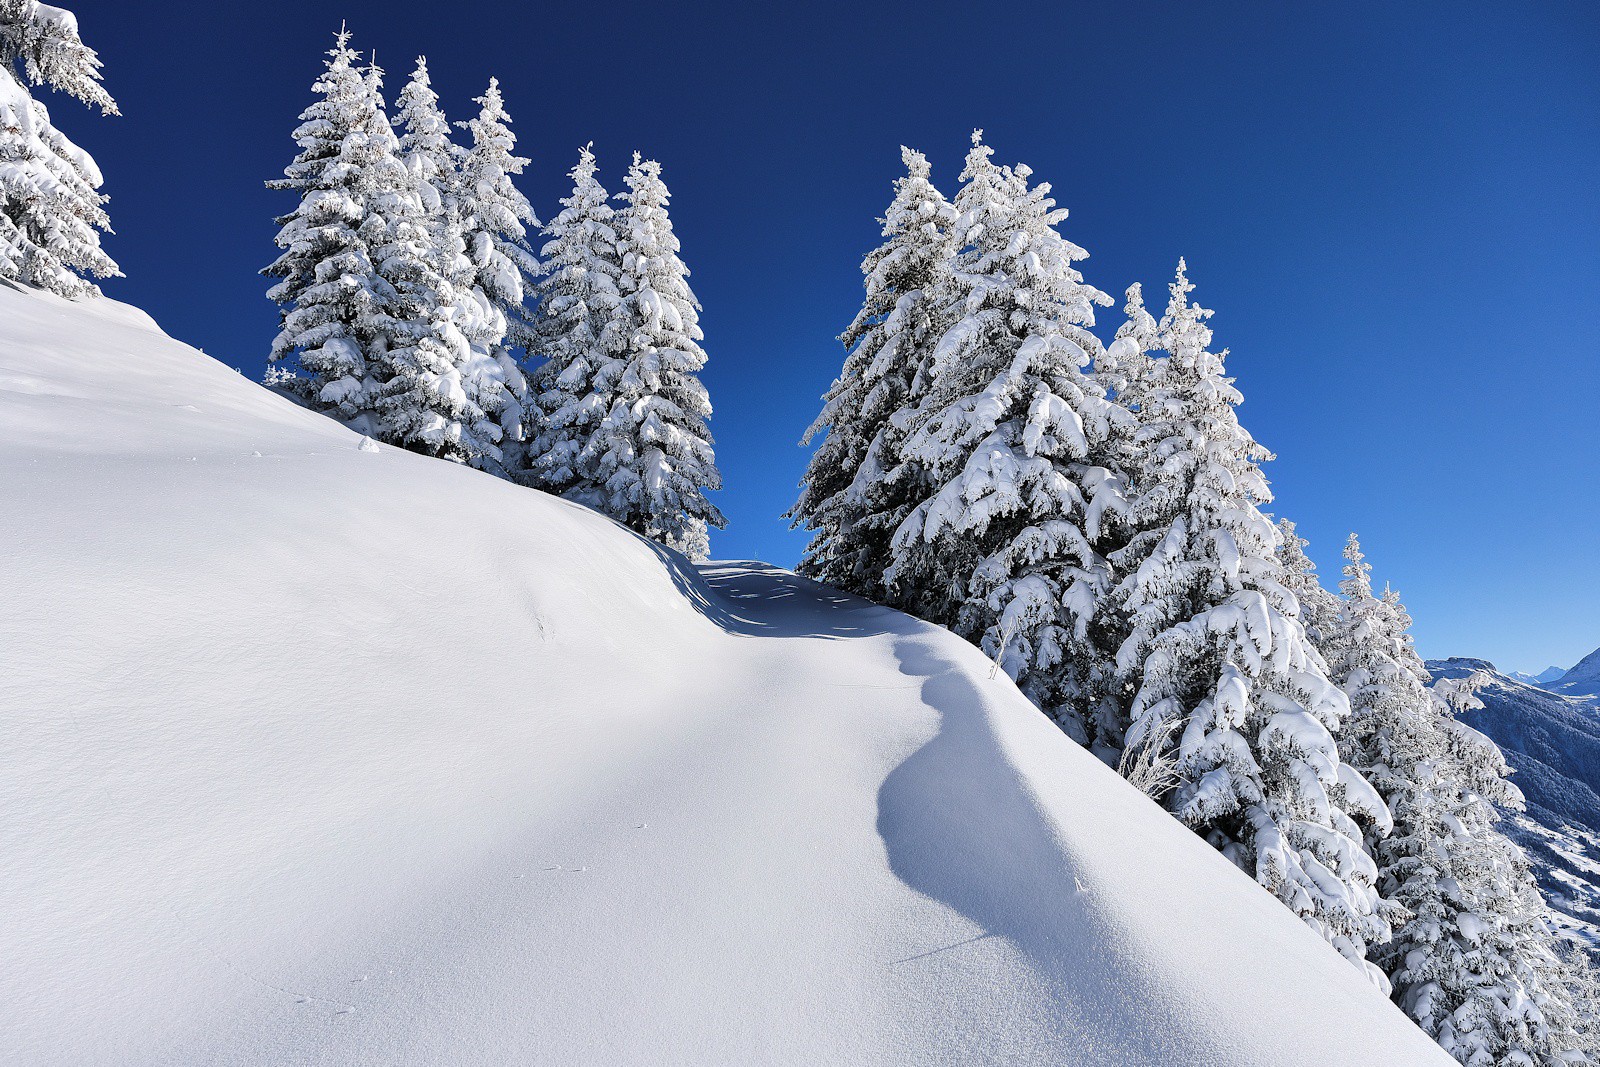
(1544, 677)
(1583, 679)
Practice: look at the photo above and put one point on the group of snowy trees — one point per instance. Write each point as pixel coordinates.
(51, 208)
(1091, 516)
(418, 312)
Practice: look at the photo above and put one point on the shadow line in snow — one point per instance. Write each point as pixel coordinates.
(961, 826)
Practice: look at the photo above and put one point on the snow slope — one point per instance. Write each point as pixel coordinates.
(317, 755)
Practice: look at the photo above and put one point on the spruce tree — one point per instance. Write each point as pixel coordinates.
(1473, 958)
(434, 162)
(329, 290)
(428, 152)
(649, 461)
(494, 219)
(1012, 440)
(578, 298)
(51, 209)
(426, 401)
(1226, 688)
(856, 491)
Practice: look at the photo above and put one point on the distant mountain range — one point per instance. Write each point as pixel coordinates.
(1548, 725)
(1544, 677)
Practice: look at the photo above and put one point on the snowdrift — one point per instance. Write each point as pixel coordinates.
(318, 755)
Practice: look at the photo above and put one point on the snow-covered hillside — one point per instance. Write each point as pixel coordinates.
(320, 754)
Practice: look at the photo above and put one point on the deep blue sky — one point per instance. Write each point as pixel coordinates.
(1394, 209)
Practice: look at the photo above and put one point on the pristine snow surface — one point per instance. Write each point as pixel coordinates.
(316, 755)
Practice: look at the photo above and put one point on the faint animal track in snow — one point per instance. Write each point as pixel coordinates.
(299, 998)
(568, 870)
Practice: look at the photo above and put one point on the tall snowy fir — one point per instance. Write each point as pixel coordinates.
(426, 401)
(648, 462)
(1224, 684)
(434, 162)
(856, 491)
(495, 217)
(329, 290)
(1473, 959)
(1011, 439)
(51, 210)
(431, 156)
(578, 297)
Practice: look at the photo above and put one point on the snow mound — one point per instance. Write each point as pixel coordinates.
(316, 757)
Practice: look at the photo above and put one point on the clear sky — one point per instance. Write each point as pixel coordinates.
(1393, 208)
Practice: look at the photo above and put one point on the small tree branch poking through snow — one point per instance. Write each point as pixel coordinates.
(1000, 653)
(1149, 765)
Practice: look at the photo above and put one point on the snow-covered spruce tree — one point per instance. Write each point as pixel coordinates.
(578, 297)
(329, 292)
(494, 218)
(649, 461)
(856, 492)
(1226, 687)
(1011, 439)
(429, 154)
(1472, 958)
(51, 209)
(434, 161)
(426, 401)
